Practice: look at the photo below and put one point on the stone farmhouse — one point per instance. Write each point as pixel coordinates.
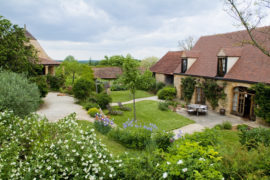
(48, 63)
(224, 58)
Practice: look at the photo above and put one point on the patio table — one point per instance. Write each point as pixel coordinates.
(197, 108)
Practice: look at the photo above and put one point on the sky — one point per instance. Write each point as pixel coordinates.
(95, 28)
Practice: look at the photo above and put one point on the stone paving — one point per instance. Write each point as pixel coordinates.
(57, 107)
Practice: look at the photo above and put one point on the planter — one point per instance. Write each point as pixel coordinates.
(222, 112)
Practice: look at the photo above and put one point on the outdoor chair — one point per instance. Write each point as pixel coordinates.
(113, 112)
(123, 108)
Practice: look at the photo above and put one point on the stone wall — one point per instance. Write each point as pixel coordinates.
(160, 77)
(226, 104)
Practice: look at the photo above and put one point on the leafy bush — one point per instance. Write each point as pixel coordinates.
(103, 124)
(242, 127)
(136, 138)
(227, 125)
(89, 105)
(262, 99)
(159, 86)
(167, 93)
(189, 160)
(118, 85)
(147, 81)
(33, 148)
(163, 106)
(93, 111)
(18, 94)
(209, 137)
(163, 139)
(241, 163)
(252, 138)
(82, 88)
(103, 100)
(41, 82)
(55, 82)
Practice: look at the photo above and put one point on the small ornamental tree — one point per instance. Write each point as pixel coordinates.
(131, 78)
(262, 99)
(188, 85)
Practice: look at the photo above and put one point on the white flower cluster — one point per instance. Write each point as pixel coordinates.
(36, 149)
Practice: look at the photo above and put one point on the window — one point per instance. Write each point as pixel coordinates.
(184, 65)
(222, 66)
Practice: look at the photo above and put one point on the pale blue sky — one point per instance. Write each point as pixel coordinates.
(94, 28)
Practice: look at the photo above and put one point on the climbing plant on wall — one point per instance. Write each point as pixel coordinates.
(213, 92)
(188, 85)
(262, 99)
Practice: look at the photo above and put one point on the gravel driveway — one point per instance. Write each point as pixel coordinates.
(57, 107)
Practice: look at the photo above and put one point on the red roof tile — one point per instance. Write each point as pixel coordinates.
(107, 72)
(253, 65)
(48, 61)
(168, 63)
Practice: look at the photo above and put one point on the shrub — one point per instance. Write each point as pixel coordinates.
(167, 93)
(117, 85)
(103, 100)
(189, 160)
(93, 111)
(251, 138)
(209, 137)
(163, 139)
(18, 94)
(241, 163)
(55, 82)
(89, 105)
(159, 86)
(82, 88)
(136, 138)
(242, 127)
(227, 125)
(41, 82)
(147, 81)
(33, 148)
(163, 106)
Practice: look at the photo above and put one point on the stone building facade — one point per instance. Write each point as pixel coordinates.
(224, 59)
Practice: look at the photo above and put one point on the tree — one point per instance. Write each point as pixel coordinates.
(131, 77)
(250, 14)
(116, 60)
(186, 44)
(70, 66)
(16, 53)
(148, 62)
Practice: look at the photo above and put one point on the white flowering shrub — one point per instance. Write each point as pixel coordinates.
(33, 148)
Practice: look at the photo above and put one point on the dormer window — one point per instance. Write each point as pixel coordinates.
(222, 66)
(184, 65)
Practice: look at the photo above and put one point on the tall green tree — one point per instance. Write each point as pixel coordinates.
(148, 62)
(131, 77)
(70, 67)
(116, 60)
(16, 53)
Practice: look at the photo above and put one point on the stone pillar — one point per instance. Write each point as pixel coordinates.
(46, 70)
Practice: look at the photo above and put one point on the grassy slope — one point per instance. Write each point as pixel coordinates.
(114, 147)
(148, 112)
(123, 96)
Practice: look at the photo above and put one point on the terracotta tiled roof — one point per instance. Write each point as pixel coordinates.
(252, 65)
(42, 55)
(168, 63)
(45, 61)
(107, 72)
(191, 54)
(231, 52)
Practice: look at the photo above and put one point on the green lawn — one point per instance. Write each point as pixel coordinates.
(114, 147)
(123, 96)
(148, 112)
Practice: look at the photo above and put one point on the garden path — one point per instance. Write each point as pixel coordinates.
(153, 98)
(57, 107)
